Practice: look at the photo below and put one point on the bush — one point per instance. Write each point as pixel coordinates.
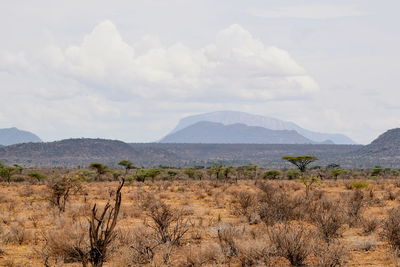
(391, 228)
(245, 204)
(292, 174)
(331, 254)
(359, 185)
(168, 224)
(272, 174)
(291, 241)
(329, 216)
(355, 205)
(279, 207)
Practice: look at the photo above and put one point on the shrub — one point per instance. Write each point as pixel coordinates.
(292, 241)
(60, 190)
(331, 254)
(370, 224)
(272, 174)
(292, 174)
(359, 185)
(391, 228)
(245, 204)
(280, 207)
(329, 217)
(168, 224)
(377, 171)
(355, 205)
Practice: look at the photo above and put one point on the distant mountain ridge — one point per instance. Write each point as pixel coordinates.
(74, 152)
(386, 145)
(205, 132)
(232, 117)
(11, 136)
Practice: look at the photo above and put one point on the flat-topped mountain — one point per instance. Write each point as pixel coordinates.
(10, 136)
(233, 117)
(206, 132)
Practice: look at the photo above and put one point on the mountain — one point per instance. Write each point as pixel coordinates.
(232, 117)
(10, 136)
(80, 152)
(217, 133)
(386, 145)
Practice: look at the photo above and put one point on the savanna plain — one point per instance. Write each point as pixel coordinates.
(200, 217)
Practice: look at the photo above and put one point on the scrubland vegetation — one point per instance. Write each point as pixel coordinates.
(217, 216)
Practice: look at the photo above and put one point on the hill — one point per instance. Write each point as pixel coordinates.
(80, 152)
(10, 136)
(232, 117)
(386, 145)
(205, 132)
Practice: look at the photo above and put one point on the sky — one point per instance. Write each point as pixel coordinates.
(130, 69)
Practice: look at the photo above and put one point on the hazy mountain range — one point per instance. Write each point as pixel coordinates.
(238, 133)
(384, 151)
(180, 135)
(10, 136)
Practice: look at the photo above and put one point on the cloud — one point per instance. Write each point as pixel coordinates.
(314, 11)
(106, 87)
(235, 67)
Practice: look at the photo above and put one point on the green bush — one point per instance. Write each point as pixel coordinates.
(292, 174)
(359, 184)
(377, 171)
(272, 174)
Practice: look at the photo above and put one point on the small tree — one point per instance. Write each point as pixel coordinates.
(272, 174)
(101, 229)
(336, 172)
(309, 182)
(128, 165)
(190, 172)
(6, 173)
(60, 190)
(147, 173)
(37, 175)
(99, 168)
(301, 161)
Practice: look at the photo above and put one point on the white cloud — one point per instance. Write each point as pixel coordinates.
(236, 66)
(106, 87)
(312, 11)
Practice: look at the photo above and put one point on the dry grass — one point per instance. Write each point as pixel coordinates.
(207, 223)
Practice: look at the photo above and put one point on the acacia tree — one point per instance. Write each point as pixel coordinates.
(99, 168)
(301, 161)
(6, 173)
(127, 164)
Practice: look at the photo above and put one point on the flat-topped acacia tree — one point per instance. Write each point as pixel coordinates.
(127, 164)
(300, 161)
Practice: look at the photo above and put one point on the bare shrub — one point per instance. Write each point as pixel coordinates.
(168, 224)
(200, 256)
(280, 207)
(69, 245)
(391, 228)
(329, 217)
(355, 205)
(140, 244)
(292, 241)
(245, 204)
(254, 252)
(17, 234)
(331, 254)
(369, 225)
(227, 242)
